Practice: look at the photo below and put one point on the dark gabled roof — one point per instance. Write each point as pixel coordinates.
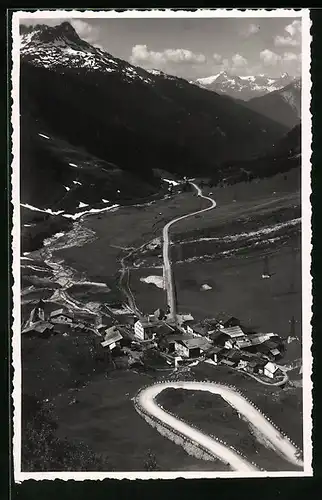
(175, 337)
(233, 331)
(164, 329)
(202, 329)
(228, 362)
(262, 348)
(234, 354)
(85, 315)
(248, 355)
(127, 319)
(272, 344)
(39, 327)
(212, 321)
(224, 317)
(215, 350)
(110, 339)
(261, 362)
(217, 334)
(190, 322)
(225, 351)
(190, 343)
(59, 312)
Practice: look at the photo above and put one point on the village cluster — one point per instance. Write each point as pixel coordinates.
(180, 342)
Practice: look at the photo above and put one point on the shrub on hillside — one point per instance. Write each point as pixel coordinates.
(42, 450)
(150, 463)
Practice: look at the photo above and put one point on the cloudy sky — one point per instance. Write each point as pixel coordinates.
(193, 48)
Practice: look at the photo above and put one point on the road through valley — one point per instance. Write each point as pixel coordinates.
(167, 271)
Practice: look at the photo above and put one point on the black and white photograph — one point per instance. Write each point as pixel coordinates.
(161, 244)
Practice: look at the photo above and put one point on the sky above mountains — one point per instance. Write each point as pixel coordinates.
(194, 48)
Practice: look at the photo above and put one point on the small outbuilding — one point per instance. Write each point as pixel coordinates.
(270, 370)
(275, 353)
(112, 339)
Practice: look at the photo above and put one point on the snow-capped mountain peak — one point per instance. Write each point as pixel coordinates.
(60, 48)
(244, 87)
(41, 33)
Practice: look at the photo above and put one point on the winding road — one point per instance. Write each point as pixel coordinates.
(276, 440)
(167, 271)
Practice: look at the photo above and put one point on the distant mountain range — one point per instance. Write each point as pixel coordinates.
(243, 87)
(95, 127)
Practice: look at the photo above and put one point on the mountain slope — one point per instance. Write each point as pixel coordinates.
(283, 105)
(88, 116)
(283, 156)
(243, 87)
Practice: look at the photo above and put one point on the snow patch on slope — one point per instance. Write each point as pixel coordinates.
(155, 280)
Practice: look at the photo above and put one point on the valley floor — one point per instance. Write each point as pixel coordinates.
(98, 410)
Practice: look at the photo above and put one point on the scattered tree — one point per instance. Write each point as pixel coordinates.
(150, 463)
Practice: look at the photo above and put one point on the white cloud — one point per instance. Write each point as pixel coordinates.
(269, 58)
(252, 29)
(234, 65)
(295, 28)
(290, 56)
(217, 58)
(293, 37)
(284, 41)
(288, 61)
(82, 27)
(86, 31)
(239, 61)
(141, 55)
(226, 64)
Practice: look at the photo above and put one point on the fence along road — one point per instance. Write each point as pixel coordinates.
(167, 272)
(280, 443)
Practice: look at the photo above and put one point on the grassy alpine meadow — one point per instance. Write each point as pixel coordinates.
(102, 415)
